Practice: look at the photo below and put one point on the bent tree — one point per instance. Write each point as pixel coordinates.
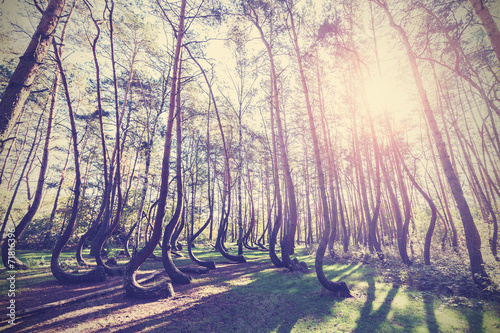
(210, 264)
(174, 273)
(162, 289)
(251, 10)
(472, 237)
(98, 273)
(226, 195)
(336, 287)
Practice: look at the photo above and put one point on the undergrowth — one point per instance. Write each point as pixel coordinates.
(448, 275)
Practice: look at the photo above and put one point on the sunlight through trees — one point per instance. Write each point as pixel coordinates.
(341, 126)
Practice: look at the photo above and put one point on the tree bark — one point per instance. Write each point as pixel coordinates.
(472, 237)
(22, 79)
(162, 289)
(339, 288)
(489, 25)
(176, 276)
(98, 273)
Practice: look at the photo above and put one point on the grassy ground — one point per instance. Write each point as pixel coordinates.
(256, 297)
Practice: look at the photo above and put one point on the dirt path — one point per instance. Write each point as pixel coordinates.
(113, 312)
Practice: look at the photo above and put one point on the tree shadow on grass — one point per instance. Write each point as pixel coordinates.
(474, 316)
(270, 301)
(254, 297)
(430, 316)
(370, 321)
(475, 319)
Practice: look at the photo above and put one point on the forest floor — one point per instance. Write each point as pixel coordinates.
(256, 297)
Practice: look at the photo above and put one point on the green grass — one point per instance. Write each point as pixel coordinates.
(260, 298)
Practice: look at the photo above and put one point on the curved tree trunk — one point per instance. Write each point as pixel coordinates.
(472, 237)
(287, 246)
(163, 289)
(106, 231)
(226, 196)
(432, 206)
(105, 202)
(286, 261)
(330, 163)
(396, 213)
(179, 227)
(339, 288)
(173, 272)
(208, 264)
(277, 192)
(126, 240)
(98, 273)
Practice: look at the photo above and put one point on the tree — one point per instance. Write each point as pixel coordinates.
(210, 264)
(20, 83)
(336, 287)
(98, 273)
(489, 24)
(163, 289)
(472, 237)
(251, 11)
(226, 192)
(174, 273)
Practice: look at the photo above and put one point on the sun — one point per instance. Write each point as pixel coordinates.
(389, 96)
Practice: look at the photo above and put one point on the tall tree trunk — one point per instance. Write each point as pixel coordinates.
(289, 237)
(98, 273)
(339, 288)
(278, 221)
(328, 147)
(39, 188)
(227, 179)
(176, 276)
(489, 24)
(208, 264)
(396, 214)
(107, 186)
(472, 237)
(403, 231)
(106, 229)
(22, 79)
(163, 289)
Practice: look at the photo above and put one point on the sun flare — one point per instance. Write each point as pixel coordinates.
(386, 95)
